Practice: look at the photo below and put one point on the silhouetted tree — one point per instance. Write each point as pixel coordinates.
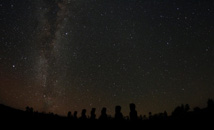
(83, 115)
(103, 115)
(144, 117)
(69, 114)
(118, 114)
(133, 112)
(150, 115)
(177, 111)
(93, 115)
(29, 109)
(210, 103)
(141, 117)
(187, 108)
(181, 112)
(165, 114)
(75, 115)
(160, 116)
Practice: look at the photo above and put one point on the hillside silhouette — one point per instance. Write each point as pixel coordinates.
(180, 113)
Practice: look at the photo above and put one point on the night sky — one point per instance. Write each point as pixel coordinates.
(66, 55)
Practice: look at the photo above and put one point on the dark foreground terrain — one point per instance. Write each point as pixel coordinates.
(181, 116)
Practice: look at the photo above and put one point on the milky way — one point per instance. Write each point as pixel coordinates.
(51, 20)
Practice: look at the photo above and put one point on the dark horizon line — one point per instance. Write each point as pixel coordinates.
(182, 109)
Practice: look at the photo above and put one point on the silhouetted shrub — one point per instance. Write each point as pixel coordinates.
(93, 115)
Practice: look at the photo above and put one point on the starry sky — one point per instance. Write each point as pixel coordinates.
(66, 55)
